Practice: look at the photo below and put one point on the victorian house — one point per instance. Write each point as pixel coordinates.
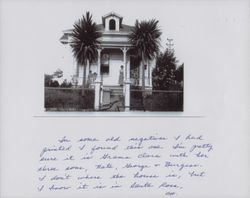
(115, 56)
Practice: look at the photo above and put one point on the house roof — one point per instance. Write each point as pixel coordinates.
(124, 29)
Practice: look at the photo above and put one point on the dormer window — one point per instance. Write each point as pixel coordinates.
(112, 21)
(112, 24)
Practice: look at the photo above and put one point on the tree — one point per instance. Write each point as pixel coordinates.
(49, 78)
(49, 81)
(166, 73)
(145, 39)
(85, 43)
(55, 83)
(66, 84)
(58, 73)
(179, 73)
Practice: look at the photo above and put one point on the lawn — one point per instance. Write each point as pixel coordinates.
(68, 99)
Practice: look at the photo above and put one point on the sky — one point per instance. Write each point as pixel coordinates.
(35, 27)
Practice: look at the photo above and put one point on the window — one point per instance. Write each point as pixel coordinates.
(105, 63)
(112, 24)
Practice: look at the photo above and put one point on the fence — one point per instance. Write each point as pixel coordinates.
(68, 99)
(156, 100)
(71, 99)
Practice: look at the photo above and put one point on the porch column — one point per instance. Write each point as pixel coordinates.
(126, 88)
(128, 71)
(125, 62)
(124, 68)
(99, 63)
(98, 83)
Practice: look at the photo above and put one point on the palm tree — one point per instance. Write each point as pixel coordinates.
(145, 39)
(84, 43)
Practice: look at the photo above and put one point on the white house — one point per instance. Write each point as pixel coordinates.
(114, 51)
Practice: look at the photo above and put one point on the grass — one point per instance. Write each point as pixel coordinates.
(68, 99)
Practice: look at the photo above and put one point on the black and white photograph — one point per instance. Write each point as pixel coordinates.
(124, 99)
(114, 64)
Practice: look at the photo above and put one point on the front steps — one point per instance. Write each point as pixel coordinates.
(113, 99)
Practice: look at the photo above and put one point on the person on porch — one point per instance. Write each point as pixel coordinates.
(90, 80)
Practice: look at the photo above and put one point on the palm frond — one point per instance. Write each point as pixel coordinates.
(145, 38)
(85, 39)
